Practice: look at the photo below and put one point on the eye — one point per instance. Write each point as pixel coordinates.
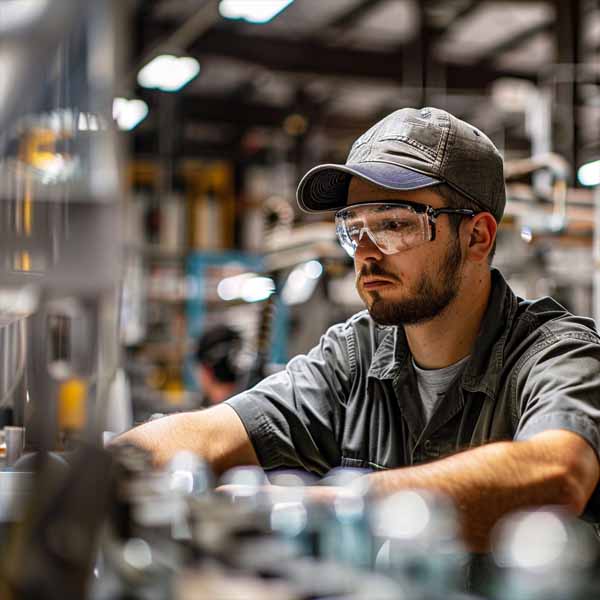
(397, 224)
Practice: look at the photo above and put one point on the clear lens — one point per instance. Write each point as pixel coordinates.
(391, 228)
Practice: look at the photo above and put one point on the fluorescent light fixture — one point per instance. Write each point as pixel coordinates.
(253, 11)
(128, 113)
(248, 287)
(257, 289)
(301, 282)
(589, 174)
(168, 73)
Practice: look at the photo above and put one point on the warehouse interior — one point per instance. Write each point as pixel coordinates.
(150, 152)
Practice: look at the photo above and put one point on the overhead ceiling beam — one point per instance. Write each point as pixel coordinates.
(295, 56)
(281, 54)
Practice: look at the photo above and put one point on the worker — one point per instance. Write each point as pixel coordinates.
(448, 381)
(216, 367)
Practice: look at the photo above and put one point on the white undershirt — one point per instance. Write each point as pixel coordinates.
(434, 383)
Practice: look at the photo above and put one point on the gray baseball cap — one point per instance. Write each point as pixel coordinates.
(412, 149)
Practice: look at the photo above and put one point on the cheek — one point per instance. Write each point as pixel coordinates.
(445, 235)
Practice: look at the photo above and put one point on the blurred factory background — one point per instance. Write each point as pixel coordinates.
(149, 155)
(212, 166)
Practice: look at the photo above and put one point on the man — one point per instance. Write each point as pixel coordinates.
(448, 381)
(216, 363)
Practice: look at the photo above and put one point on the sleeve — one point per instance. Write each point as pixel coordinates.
(558, 387)
(293, 417)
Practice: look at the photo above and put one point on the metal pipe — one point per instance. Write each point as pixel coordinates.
(15, 444)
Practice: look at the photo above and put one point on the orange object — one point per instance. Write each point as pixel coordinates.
(72, 396)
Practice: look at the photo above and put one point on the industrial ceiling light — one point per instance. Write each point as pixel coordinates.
(589, 174)
(168, 73)
(129, 113)
(253, 11)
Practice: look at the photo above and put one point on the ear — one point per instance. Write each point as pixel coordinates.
(481, 233)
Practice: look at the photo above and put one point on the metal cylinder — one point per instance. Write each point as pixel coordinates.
(15, 444)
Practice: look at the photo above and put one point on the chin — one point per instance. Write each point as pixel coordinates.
(385, 295)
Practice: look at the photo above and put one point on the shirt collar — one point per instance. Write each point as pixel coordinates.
(482, 372)
(391, 353)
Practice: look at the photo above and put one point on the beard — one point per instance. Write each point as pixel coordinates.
(429, 298)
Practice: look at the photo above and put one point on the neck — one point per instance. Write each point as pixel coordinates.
(451, 335)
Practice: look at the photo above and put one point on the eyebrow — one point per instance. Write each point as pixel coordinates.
(383, 208)
(384, 205)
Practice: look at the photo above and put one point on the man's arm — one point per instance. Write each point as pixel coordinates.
(217, 434)
(554, 467)
(288, 419)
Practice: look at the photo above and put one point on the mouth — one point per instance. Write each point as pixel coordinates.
(375, 284)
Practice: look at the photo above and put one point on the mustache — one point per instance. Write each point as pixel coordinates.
(373, 269)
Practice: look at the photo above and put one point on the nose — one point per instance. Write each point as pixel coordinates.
(366, 248)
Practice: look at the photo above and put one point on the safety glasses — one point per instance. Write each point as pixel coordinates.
(392, 226)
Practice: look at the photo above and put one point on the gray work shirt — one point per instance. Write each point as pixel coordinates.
(353, 399)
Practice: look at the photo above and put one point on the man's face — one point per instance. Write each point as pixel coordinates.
(415, 285)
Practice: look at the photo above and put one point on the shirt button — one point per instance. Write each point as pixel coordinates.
(427, 445)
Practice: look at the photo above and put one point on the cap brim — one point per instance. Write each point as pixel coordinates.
(325, 187)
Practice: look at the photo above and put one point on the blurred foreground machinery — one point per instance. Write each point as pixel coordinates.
(173, 534)
(59, 276)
